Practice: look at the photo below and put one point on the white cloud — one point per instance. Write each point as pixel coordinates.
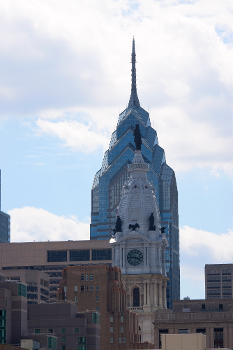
(192, 143)
(215, 247)
(36, 224)
(76, 136)
(61, 56)
(197, 248)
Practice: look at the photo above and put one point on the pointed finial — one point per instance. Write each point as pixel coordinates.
(133, 101)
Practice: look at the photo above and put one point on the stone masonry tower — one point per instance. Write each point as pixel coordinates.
(139, 244)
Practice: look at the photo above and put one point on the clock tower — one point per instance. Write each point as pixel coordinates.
(138, 244)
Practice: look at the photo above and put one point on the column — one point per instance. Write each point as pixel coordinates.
(148, 292)
(160, 294)
(145, 296)
(165, 294)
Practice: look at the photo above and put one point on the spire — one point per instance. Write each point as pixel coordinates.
(134, 101)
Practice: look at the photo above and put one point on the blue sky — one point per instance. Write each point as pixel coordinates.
(65, 77)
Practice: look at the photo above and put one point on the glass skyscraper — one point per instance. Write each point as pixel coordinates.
(108, 181)
(4, 223)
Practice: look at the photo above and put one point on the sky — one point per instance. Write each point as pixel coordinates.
(64, 79)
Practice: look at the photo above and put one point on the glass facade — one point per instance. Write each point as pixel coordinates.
(80, 255)
(108, 182)
(101, 254)
(2, 326)
(4, 227)
(4, 223)
(56, 255)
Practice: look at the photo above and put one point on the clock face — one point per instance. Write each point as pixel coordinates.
(135, 257)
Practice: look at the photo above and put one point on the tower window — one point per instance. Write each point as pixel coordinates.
(136, 297)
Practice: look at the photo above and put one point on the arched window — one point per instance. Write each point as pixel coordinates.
(136, 297)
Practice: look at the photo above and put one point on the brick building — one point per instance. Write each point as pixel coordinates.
(37, 283)
(13, 311)
(59, 326)
(100, 288)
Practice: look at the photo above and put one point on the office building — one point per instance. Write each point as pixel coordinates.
(109, 180)
(13, 311)
(212, 317)
(59, 326)
(37, 283)
(52, 258)
(219, 281)
(99, 287)
(4, 222)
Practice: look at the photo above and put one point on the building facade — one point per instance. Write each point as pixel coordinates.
(219, 281)
(214, 318)
(99, 287)
(139, 245)
(13, 311)
(37, 283)
(61, 324)
(51, 258)
(109, 180)
(4, 222)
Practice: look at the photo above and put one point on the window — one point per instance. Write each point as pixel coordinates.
(220, 307)
(82, 288)
(50, 330)
(122, 318)
(95, 317)
(203, 306)
(218, 337)
(101, 254)
(183, 331)
(82, 277)
(136, 297)
(37, 331)
(32, 288)
(52, 343)
(162, 331)
(76, 330)
(91, 288)
(91, 277)
(56, 255)
(63, 330)
(201, 330)
(87, 277)
(3, 314)
(32, 296)
(97, 288)
(111, 329)
(111, 340)
(111, 319)
(80, 255)
(22, 290)
(121, 329)
(82, 340)
(75, 288)
(75, 299)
